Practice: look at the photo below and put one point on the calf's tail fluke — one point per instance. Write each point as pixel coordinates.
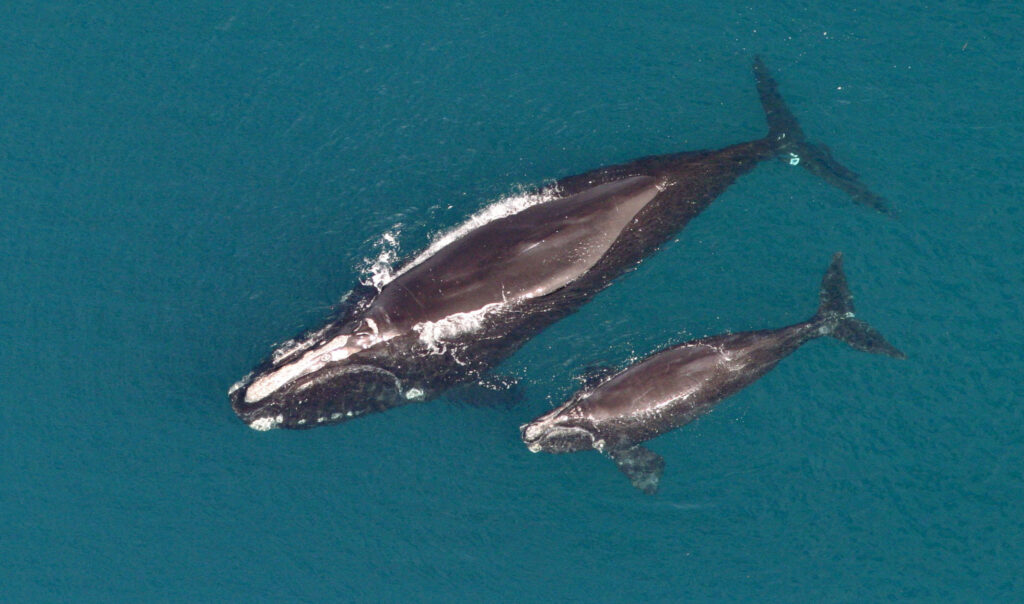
(785, 132)
(835, 315)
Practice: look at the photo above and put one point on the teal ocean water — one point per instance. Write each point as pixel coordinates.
(184, 185)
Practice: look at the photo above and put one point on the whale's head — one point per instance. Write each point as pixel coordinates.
(559, 431)
(316, 382)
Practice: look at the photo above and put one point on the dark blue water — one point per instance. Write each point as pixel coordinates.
(182, 186)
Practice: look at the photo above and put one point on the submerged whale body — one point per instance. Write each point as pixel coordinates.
(675, 386)
(451, 315)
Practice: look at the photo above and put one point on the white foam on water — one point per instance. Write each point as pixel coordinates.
(379, 271)
(242, 382)
(435, 334)
(290, 347)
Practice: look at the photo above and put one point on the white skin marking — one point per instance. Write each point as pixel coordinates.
(333, 351)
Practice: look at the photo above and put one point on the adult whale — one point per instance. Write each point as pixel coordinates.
(673, 387)
(455, 312)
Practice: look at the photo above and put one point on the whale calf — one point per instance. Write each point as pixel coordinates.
(453, 313)
(673, 387)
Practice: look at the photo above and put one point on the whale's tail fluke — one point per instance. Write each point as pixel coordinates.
(785, 132)
(835, 315)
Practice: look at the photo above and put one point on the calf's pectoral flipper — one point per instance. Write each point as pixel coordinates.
(642, 466)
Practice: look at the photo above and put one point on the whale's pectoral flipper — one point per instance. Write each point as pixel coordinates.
(794, 147)
(491, 390)
(642, 466)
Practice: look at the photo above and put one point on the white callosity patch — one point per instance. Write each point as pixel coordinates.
(532, 432)
(542, 432)
(270, 382)
(337, 415)
(331, 352)
(266, 423)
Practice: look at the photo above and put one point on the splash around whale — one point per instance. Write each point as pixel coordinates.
(473, 298)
